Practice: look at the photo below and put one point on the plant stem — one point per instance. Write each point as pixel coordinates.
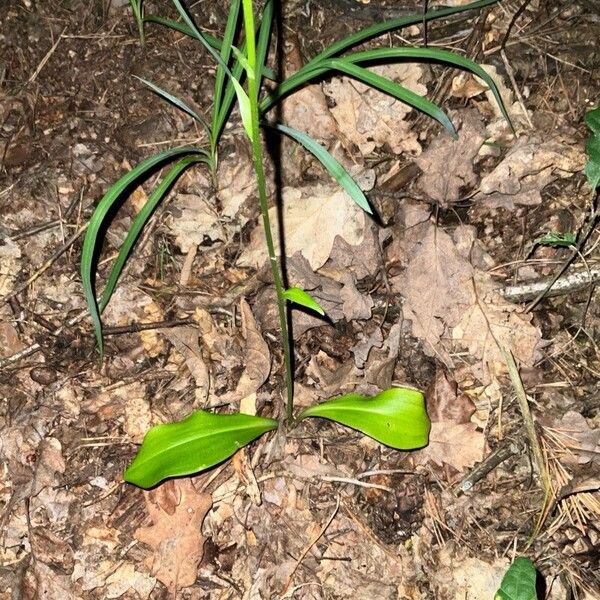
(264, 207)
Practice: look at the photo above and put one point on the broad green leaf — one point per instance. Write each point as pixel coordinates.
(140, 220)
(97, 221)
(176, 102)
(195, 444)
(395, 417)
(331, 164)
(592, 148)
(519, 581)
(299, 296)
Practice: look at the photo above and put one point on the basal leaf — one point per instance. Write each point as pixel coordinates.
(331, 164)
(299, 296)
(98, 219)
(592, 148)
(395, 417)
(519, 581)
(195, 444)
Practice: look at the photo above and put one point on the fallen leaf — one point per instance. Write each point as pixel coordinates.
(126, 578)
(312, 218)
(447, 164)
(177, 511)
(369, 118)
(459, 445)
(257, 358)
(185, 341)
(529, 166)
(581, 442)
(444, 403)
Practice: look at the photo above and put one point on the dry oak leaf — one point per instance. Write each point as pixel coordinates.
(447, 164)
(312, 218)
(177, 511)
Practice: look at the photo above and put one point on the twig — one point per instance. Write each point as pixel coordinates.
(137, 327)
(356, 482)
(488, 465)
(583, 237)
(551, 286)
(46, 58)
(534, 444)
(311, 544)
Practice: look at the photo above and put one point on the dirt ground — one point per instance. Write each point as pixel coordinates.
(428, 297)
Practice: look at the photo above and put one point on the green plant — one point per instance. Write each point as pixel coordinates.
(519, 581)
(137, 7)
(395, 417)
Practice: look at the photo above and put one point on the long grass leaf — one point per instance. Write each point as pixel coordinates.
(228, 38)
(263, 39)
(391, 25)
(180, 104)
(140, 221)
(329, 162)
(97, 221)
(434, 55)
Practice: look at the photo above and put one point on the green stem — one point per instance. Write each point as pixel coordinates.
(264, 207)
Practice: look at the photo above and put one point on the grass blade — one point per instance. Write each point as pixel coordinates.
(329, 162)
(140, 221)
(434, 55)
(97, 221)
(197, 443)
(387, 26)
(263, 39)
(228, 37)
(180, 104)
(395, 417)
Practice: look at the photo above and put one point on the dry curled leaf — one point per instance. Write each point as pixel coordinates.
(177, 511)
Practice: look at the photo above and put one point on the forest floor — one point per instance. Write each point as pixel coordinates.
(430, 297)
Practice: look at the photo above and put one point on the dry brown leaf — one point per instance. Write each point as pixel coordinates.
(459, 445)
(193, 219)
(453, 306)
(306, 109)
(530, 165)
(444, 403)
(312, 218)
(582, 442)
(257, 358)
(177, 511)
(447, 164)
(185, 341)
(369, 118)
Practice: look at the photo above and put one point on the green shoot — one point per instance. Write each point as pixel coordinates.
(137, 7)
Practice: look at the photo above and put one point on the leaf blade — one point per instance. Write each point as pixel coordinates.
(101, 212)
(335, 169)
(592, 148)
(194, 444)
(395, 417)
(519, 581)
(303, 298)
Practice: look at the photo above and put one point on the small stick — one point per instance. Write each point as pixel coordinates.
(488, 465)
(137, 327)
(573, 282)
(312, 543)
(356, 482)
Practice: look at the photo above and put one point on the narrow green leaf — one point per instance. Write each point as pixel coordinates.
(395, 417)
(90, 243)
(331, 164)
(592, 148)
(393, 24)
(140, 220)
(243, 60)
(519, 581)
(176, 102)
(263, 39)
(393, 89)
(220, 77)
(299, 296)
(244, 103)
(195, 444)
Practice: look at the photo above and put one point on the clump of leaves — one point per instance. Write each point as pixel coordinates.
(519, 582)
(395, 417)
